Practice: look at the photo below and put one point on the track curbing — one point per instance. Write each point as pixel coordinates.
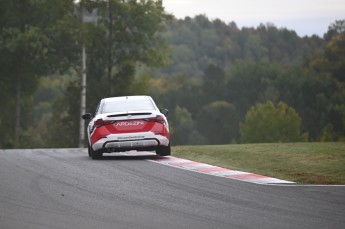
(218, 171)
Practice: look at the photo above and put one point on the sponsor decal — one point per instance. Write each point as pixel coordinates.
(130, 123)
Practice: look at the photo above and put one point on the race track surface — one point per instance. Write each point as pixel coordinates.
(64, 189)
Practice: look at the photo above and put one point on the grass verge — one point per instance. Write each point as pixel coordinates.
(307, 163)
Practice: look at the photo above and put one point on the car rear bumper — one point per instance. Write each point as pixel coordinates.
(126, 142)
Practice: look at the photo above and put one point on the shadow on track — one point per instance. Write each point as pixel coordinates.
(107, 158)
(130, 156)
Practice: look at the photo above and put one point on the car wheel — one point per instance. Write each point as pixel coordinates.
(163, 150)
(93, 154)
(96, 155)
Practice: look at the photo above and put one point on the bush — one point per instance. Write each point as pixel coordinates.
(267, 123)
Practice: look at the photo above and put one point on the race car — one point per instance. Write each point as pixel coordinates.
(127, 123)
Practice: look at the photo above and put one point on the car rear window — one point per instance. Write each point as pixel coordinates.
(127, 105)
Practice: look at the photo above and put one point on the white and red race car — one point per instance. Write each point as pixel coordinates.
(127, 123)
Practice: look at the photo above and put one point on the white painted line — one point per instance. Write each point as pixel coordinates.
(228, 173)
(201, 166)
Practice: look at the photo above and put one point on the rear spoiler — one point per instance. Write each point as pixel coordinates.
(128, 114)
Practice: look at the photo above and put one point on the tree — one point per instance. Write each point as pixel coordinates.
(124, 37)
(218, 122)
(26, 52)
(336, 28)
(63, 125)
(183, 128)
(327, 134)
(125, 34)
(249, 83)
(213, 83)
(265, 123)
(332, 59)
(331, 65)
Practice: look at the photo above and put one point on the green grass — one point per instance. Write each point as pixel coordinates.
(307, 163)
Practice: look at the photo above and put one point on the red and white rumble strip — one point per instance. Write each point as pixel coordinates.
(218, 171)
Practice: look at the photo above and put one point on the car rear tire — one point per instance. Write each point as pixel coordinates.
(93, 154)
(163, 150)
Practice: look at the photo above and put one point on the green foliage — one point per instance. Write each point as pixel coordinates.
(183, 128)
(332, 60)
(218, 122)
(250, 83)
(327, 134)
(305, 163)
(217, 71)
(26, 41)
(125, 35)
(198, 42)
(63, 126)
(267, 123)
(213, 83)
(256, 75)
(335, 57)
(336, 28)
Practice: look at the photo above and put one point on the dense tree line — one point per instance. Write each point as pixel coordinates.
(198, 42)
(215, 88)
(216, 75)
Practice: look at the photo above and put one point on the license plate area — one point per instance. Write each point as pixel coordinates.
(131, 123)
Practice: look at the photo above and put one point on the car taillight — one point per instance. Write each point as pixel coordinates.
(101, 122)
(158, 119)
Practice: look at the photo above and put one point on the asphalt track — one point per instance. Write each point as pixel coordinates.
(63, 188)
